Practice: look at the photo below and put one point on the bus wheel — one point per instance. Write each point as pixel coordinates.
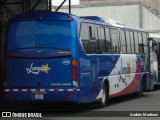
(103, 101)
(140, 93)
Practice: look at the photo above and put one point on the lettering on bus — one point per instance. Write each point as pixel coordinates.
(60, 84)
(125, 70)
(36, 70)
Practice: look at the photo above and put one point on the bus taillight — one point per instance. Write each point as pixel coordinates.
(8, 95)
(74, 69)
(70, 95)
(75, 76)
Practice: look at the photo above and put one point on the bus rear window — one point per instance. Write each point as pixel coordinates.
(40, 33)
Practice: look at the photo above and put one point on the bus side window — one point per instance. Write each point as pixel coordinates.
(136, 42)
(84, 36)
(145, 42)
(115, 40)
(93, 40)
(141, 50)
(91, 31)
(128, 42)
(102, 40)
(132, 42)
(123, 43)
(108, 41)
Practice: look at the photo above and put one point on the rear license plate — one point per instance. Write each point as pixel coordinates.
(38, 96)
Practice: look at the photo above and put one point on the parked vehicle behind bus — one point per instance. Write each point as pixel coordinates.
(55, 56)
(154, 45)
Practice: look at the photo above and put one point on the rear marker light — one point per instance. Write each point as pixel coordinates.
(8, 95)
(70, 95)
(69, 18)
(75, 63)
(75, 83)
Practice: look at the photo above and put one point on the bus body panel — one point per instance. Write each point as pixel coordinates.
(39, 72)
(124, 73)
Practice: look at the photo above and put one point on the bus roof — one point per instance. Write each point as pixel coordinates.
(48, 15)
(108, 22)
(42, 15)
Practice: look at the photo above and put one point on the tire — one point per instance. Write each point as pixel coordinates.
(103, 102)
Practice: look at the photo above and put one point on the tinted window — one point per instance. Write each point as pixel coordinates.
(102, 39)
(132, 42)
(140, 43)
(41, 33)
(128, 42)
(108, 41)
(84, 32)
(91, 31)
(136, 42)
(145, 42)
(115, 40)
(84, 35)
(123, 43)
(93, 41)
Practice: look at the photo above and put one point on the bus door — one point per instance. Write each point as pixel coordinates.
(155, 62)
(158, 59)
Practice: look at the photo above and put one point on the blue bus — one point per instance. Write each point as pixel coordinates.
(52, 56)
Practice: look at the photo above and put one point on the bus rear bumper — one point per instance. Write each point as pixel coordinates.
(31, 95)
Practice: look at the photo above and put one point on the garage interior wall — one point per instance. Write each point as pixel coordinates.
(9, 8)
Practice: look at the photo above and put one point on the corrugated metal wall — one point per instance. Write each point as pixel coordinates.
(150, 20)
(107, 1)
(152, 4)
(134, 14)
(128, 14)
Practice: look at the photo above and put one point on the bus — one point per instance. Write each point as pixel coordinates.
(154, 48)
(53, 56)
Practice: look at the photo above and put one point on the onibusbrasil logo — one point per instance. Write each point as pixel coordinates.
(36, 70)
(21, 115)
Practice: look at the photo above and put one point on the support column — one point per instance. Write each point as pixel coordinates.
(50, 5)
(69, 6)
(141, 15)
